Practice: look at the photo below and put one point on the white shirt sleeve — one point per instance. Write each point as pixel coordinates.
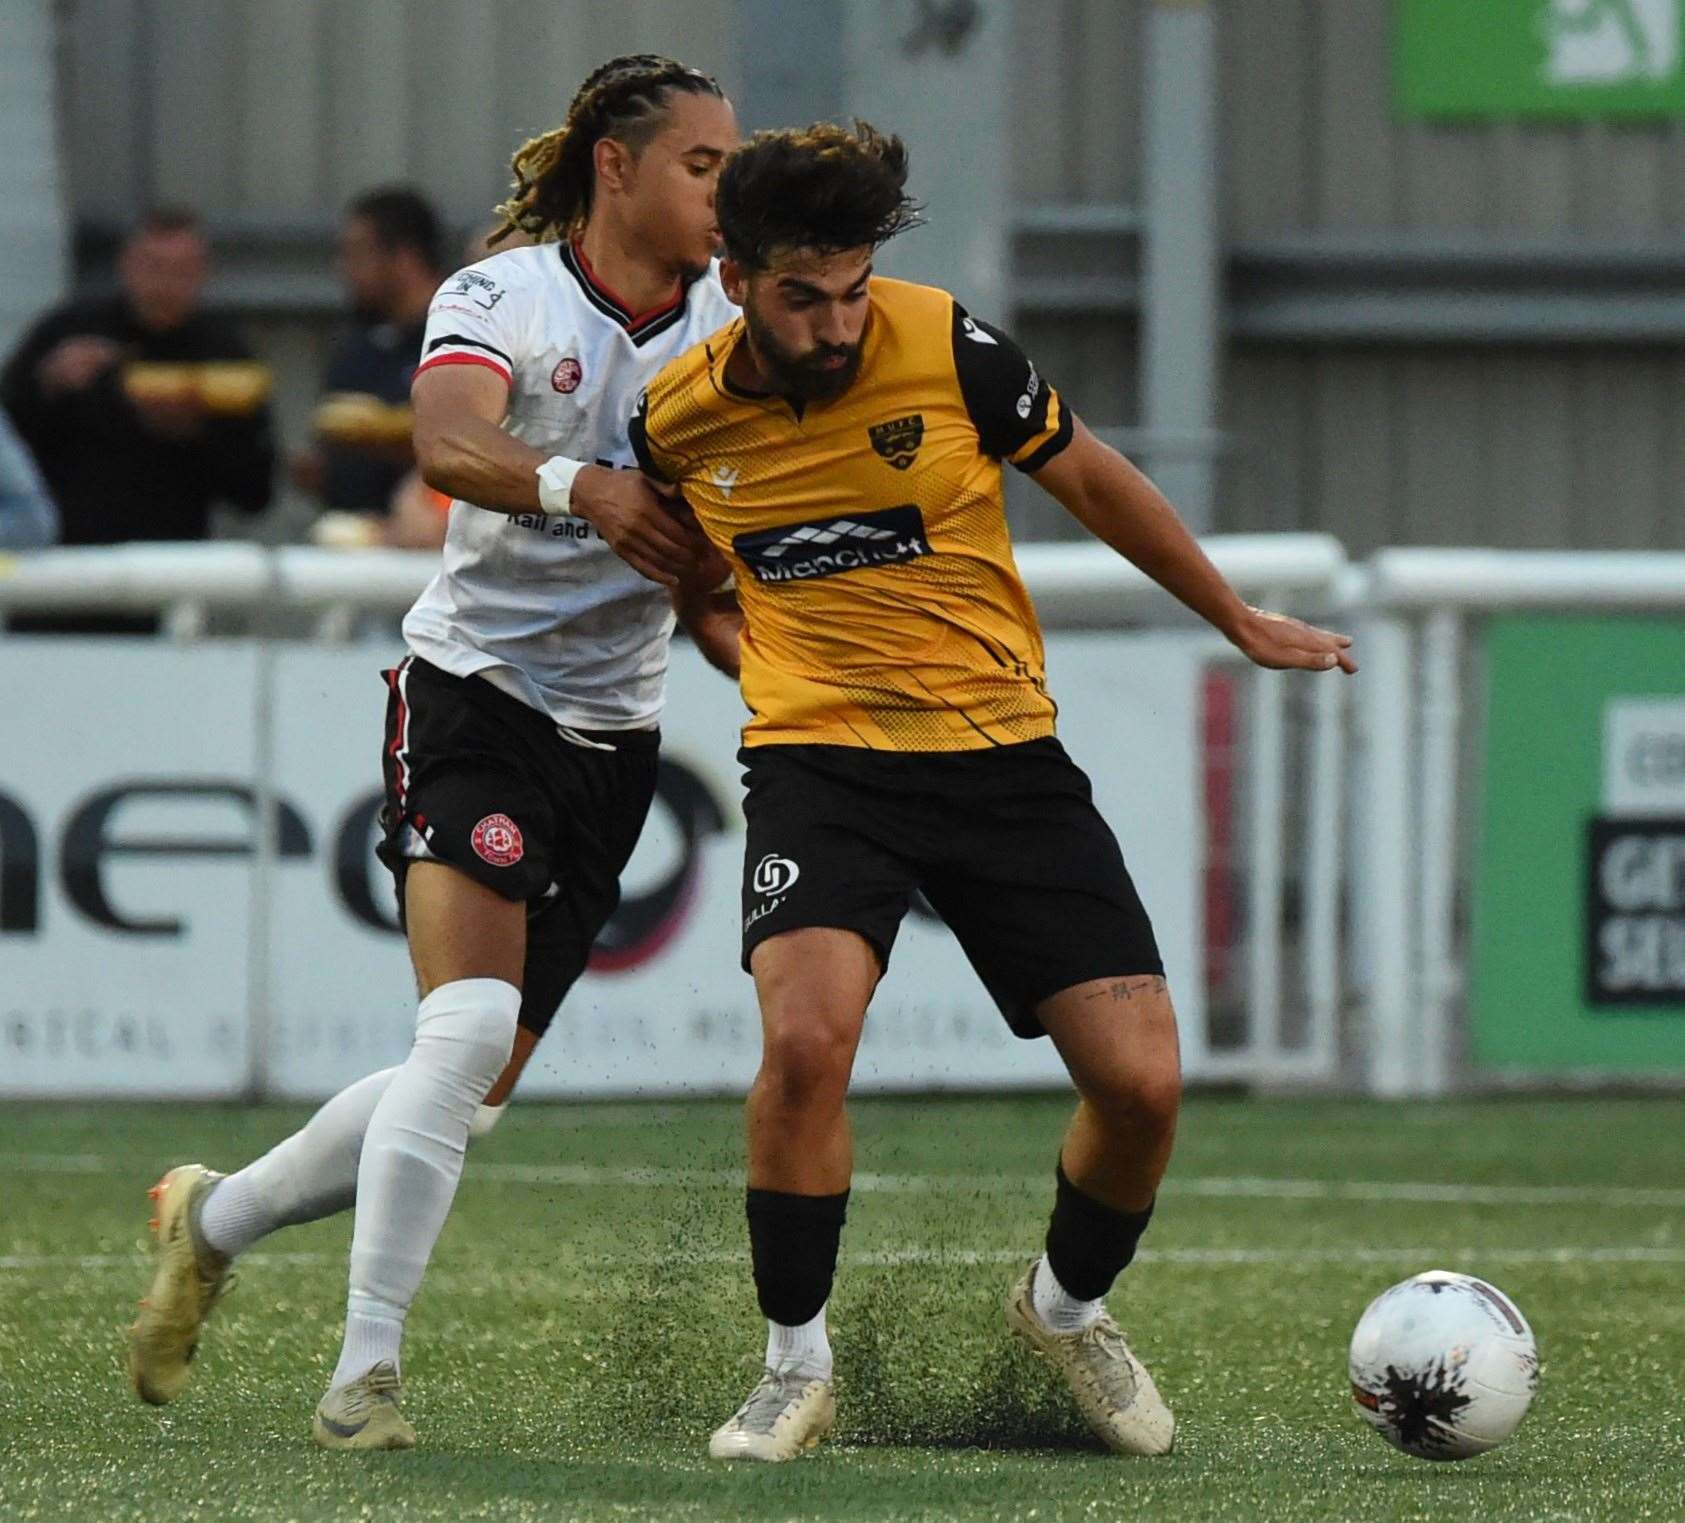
(478, 317)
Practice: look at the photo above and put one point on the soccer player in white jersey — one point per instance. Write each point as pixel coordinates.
(521, 727)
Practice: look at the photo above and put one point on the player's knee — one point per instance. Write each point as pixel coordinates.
(1158, 1094)
(1146, 1093)
(468, 1026)
(804, 1065)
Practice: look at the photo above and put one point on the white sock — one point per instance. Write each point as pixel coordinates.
(412, 1158)
(372, 1334)
(804, 1350)
(307, 1176)
(1056, 1306)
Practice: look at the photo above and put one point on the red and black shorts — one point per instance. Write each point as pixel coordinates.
(1005, 844)
(480, 781)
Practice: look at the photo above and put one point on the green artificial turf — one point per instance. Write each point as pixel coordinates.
(588, 1319)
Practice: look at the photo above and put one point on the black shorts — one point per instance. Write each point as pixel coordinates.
(1006, 844)
(478, 780)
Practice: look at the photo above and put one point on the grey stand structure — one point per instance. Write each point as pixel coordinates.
(939, 73)
(936, 74)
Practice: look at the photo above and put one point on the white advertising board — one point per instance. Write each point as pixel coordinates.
(306, 949)
(126, 841)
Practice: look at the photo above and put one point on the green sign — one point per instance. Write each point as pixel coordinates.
(1578, 951)
(1472, 59)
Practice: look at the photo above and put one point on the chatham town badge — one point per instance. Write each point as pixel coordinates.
(898, 440)
(497, 839)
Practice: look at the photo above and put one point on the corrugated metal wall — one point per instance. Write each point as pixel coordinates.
(265, 110)
(34, 235)
(1448, 445)
(1313, 143)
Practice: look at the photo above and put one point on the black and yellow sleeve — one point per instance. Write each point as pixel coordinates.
(1018, 415)
(644, 450)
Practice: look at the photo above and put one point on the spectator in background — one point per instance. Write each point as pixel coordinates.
(416, 515)
(28, 518)
(140, 408)
(391, 260)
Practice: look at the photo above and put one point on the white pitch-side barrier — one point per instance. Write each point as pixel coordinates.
(1419, 606)
(1346, 815)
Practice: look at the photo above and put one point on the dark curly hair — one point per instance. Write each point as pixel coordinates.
(626, 99)
(824, 187)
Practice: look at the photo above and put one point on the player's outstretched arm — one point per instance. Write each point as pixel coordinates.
(1115, 502)
(464, 451)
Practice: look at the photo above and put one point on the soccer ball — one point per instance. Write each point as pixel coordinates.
(1443, 1366)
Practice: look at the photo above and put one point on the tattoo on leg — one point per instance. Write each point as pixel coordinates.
(1126, 989)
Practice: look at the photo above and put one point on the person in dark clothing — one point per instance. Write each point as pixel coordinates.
(390, 258)
(141, 409)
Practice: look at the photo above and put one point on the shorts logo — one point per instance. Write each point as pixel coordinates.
(567, 375)
(829, 546)
(898, 441)
(497, 839)
(775, 875)
(772, 879)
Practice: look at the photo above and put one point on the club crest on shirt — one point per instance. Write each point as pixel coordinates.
(497, 839)
(567, 375)
(898, 440)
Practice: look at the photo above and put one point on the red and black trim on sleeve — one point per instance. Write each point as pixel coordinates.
(459, 349)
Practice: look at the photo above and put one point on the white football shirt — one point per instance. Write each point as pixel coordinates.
(537, 604)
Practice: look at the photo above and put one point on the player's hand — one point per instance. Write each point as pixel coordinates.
(76, 363)
(638, 524)
(1282, 644)
(710, 571)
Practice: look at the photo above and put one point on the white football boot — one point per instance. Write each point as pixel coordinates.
(1113, 1390)
(364, 1414)
(188, 1280)
(786, 1415)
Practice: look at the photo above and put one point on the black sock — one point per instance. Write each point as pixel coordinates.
(1088, 1243)
(793, 1242)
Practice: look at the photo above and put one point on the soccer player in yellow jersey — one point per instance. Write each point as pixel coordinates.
(841, 445)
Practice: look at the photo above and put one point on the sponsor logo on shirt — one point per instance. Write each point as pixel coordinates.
(484, 293)
(1028, 399)
(556, 528)
(831, 546)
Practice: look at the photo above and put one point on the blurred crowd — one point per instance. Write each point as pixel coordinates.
(129, 416)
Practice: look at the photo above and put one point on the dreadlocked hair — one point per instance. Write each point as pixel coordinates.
(824, 187)
(626, 99)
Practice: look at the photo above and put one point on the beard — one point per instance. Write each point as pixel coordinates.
(803, 376)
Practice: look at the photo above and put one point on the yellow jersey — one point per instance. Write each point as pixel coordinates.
(867, 532)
